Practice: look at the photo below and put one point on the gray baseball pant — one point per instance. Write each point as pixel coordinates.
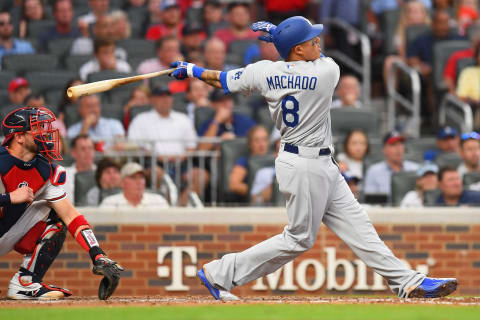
(315, 192)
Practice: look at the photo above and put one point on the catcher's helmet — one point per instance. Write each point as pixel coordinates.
(293, 31)
(39, 122)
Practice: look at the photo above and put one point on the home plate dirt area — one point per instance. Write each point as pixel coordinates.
(206, 300)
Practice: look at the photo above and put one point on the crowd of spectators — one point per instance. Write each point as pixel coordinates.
(98, 39)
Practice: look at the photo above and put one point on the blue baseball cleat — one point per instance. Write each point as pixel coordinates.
(434, 288)
(218, 294)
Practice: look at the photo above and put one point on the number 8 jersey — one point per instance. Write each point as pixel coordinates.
(298, 93)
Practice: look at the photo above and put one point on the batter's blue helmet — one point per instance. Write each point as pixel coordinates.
(293, 31)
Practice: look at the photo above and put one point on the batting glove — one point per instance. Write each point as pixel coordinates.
(264, 26)
(186, 70)
(110, 270)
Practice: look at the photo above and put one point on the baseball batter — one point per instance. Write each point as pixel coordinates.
(299, 94)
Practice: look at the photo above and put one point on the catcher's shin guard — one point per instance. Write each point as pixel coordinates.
(47, 248)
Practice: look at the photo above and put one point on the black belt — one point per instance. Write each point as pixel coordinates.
(294, 149)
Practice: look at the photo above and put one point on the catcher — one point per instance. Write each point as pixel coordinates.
(35, 213)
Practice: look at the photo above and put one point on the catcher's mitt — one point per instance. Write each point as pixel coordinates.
(110, 271)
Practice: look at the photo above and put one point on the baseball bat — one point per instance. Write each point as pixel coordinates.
(105, 85)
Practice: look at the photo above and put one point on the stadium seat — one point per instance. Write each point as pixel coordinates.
(230, 152)
(53, 98)
(73, 63)
(448, 159)
(5, 78)
(471, 178)
(140, 48)
(119, 97)
(114, 111)
(6, 4)
(23, 63)
(441, 52)
(60, 47)
(464, 63)
(347, 119)
(263, 117)
(138, 19)
(402, 182)
(35, 42)
(194, 16)
(430, 197)
(278, 199)
(107, 193)
(139, 109)
(237, 49)
(388, 22)
(71, 115)
(256, 163)
(84, 181)
(41, 81)
(420, 145)
(180, 102)
(201, 116)
(118, 4)
(35, 28)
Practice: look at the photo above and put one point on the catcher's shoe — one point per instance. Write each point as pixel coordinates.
(21, 288)
(218, 294)
(434, 288)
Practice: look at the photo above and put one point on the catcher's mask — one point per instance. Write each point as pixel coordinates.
(39, 122)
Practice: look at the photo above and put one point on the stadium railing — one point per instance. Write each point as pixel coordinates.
(394, 96)
(457, 111)
(362, 68)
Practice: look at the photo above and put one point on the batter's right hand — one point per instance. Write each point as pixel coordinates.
(181, 72)
(22, 195)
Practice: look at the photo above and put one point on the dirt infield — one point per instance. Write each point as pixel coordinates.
(204, 300)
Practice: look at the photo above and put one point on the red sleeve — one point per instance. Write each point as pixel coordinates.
(154, 32)
(450, 70)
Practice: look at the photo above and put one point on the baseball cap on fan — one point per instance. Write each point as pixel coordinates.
(130, 169)
(427, 168)
(167, 4)
(16, 84)
(393, 137)
(447, 132)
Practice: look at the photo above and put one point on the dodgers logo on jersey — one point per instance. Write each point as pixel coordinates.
(23, 184)
(237, 75)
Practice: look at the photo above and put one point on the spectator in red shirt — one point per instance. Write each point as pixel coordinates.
(171, 22)
(450, 71)
(280, 10)
(239, 18)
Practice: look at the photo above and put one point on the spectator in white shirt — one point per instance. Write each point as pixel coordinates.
(83, 152)
(93, 124)
(105, 59)
(426, 180)
(355, 148)
(99, 9)
(168, 51)
(175, 136)
(379, 176)
(133, 191)
(348, 93)
(470, 153)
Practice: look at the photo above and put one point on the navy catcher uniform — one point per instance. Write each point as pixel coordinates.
(34, 211)
(299, 94)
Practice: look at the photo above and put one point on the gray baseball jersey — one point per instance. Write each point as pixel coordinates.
(299, 95)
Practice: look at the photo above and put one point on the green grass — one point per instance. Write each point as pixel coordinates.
(250, 312)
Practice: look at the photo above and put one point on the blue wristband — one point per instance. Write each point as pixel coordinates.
(5, 199)
(197, 72)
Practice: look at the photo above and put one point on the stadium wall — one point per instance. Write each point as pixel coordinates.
(162, 249)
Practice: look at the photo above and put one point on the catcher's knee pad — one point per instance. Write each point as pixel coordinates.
(48, 247)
